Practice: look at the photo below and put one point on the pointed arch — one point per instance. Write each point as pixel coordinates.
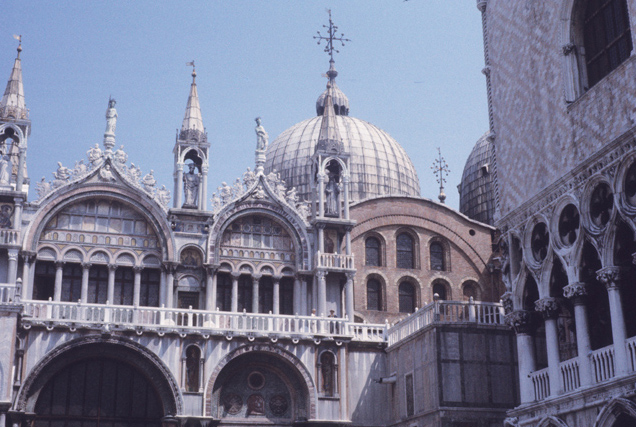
(613, 411)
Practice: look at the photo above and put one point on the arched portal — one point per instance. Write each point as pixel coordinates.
(87, 380)
(260, 384)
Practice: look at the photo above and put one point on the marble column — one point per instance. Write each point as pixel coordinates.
(204, 188)
(178, 187)
(345, 187)
(111, 283)
(86, 269)
(256, 279)
(349, 296)
(577, 293)
(321, 279)
(12, 269)
(210, 288)
(523, 324)
(21, 162)
(17, 214)
(59, 271)
(27, 265)
(549, 309)
(276, 292)
(137, 285)
(235, 278)
(611, 278)
(297, 297)
(321, 194)
(170, 270)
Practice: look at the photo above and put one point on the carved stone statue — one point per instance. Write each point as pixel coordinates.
(62, 175)
(216, 202)
(249, 178)
(120, 156)
(134, 173)
(226, 192)
(106, 174)
(111, 117)
(303, 210)
(94, 155)
(163, 195)
(43, 188)
(5, 169)
(292, 197)
(79, 169)
(191, 182)
(262, 139)
(149, 182)
(237, 188)
(331, 196)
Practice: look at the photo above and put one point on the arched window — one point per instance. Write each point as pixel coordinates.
(566, 326)
(530, 296)
(44, 280)
(607, 37)
(372, 252)
(374, 295)
(98, 284)
(124, 284)
(406, 293)
(71, 282)
(224, 292)
(327, 373)
(192, 368)
(470, 289)
(405, 258)
(440, 287)
(598, 307)
(437, 257)
(149, 287)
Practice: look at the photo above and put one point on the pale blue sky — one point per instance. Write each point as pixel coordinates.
(412, 68)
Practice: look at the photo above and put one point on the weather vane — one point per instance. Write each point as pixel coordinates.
(329, 39)
(440, 170)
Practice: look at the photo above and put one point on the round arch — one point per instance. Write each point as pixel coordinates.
(65, 196)
(98, 346)
(298, 369)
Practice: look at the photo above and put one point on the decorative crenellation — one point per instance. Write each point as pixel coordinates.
(250, 184)
(610, 277)
(521, 321)
(548, 307)
(606, 161)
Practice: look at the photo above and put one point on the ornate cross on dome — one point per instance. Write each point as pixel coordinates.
(330, 37)
(440, 170)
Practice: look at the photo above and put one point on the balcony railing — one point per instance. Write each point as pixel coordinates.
(184, 321)
(541, 383)
(482, 313)
(570, 375)
(7, 293)
(603, 363)
(9, 237)
(337, 261)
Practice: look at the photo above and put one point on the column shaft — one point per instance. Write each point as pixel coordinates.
(12, 269)
(552, 343)
(111, 283)
(322, 293)
(255, 296)
(137, 286)
(57, 295)
(297, 297)
(276, 295)
(583, 343)
(210, 291)
(618, 331)
(527, 365)
(86, 268)
(349, 297)
(235, 278)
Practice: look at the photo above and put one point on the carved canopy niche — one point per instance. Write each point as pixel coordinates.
(101, 223)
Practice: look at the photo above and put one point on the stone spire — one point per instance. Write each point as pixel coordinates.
(12, 105)
(329, 139)
(192, 119)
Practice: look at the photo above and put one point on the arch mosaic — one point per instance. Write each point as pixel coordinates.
(99, 346)
(300, 370)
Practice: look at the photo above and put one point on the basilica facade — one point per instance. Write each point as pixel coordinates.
(319, 288)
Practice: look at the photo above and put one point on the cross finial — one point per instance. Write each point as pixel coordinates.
(440, 170)
(19, 39)
(330, 37)
(191, 64)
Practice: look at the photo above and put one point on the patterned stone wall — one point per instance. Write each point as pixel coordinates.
(540, 136)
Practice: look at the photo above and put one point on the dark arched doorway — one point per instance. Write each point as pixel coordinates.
(100, 392)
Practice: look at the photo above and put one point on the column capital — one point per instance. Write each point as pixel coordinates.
(86, 265)
(548, 307)
(277, 277)
(610, 277)
(112, 267)
(59, 264)
(138, 268)
(321, 274)
(507, 302)
(170, 267)
(575, 290)
(12, 254)
(28, 256)
(235, 274)
(350, 275)
(210, 269)
(256, 277)
(521, 321)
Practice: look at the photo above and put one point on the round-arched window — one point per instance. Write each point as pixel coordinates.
(406, 295)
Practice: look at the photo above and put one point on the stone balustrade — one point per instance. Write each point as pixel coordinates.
(9, 236)
(188, 321)
(541, 383)
(475, 312)
(7, 293)
(335, 261)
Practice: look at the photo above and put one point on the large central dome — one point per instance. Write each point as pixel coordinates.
(379, 165)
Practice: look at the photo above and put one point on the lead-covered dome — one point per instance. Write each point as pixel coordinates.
(476, 196)
(379, 165)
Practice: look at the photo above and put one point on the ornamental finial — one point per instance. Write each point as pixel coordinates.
(330, 37)
(440, 170)
(19, 39)
(194, 72)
